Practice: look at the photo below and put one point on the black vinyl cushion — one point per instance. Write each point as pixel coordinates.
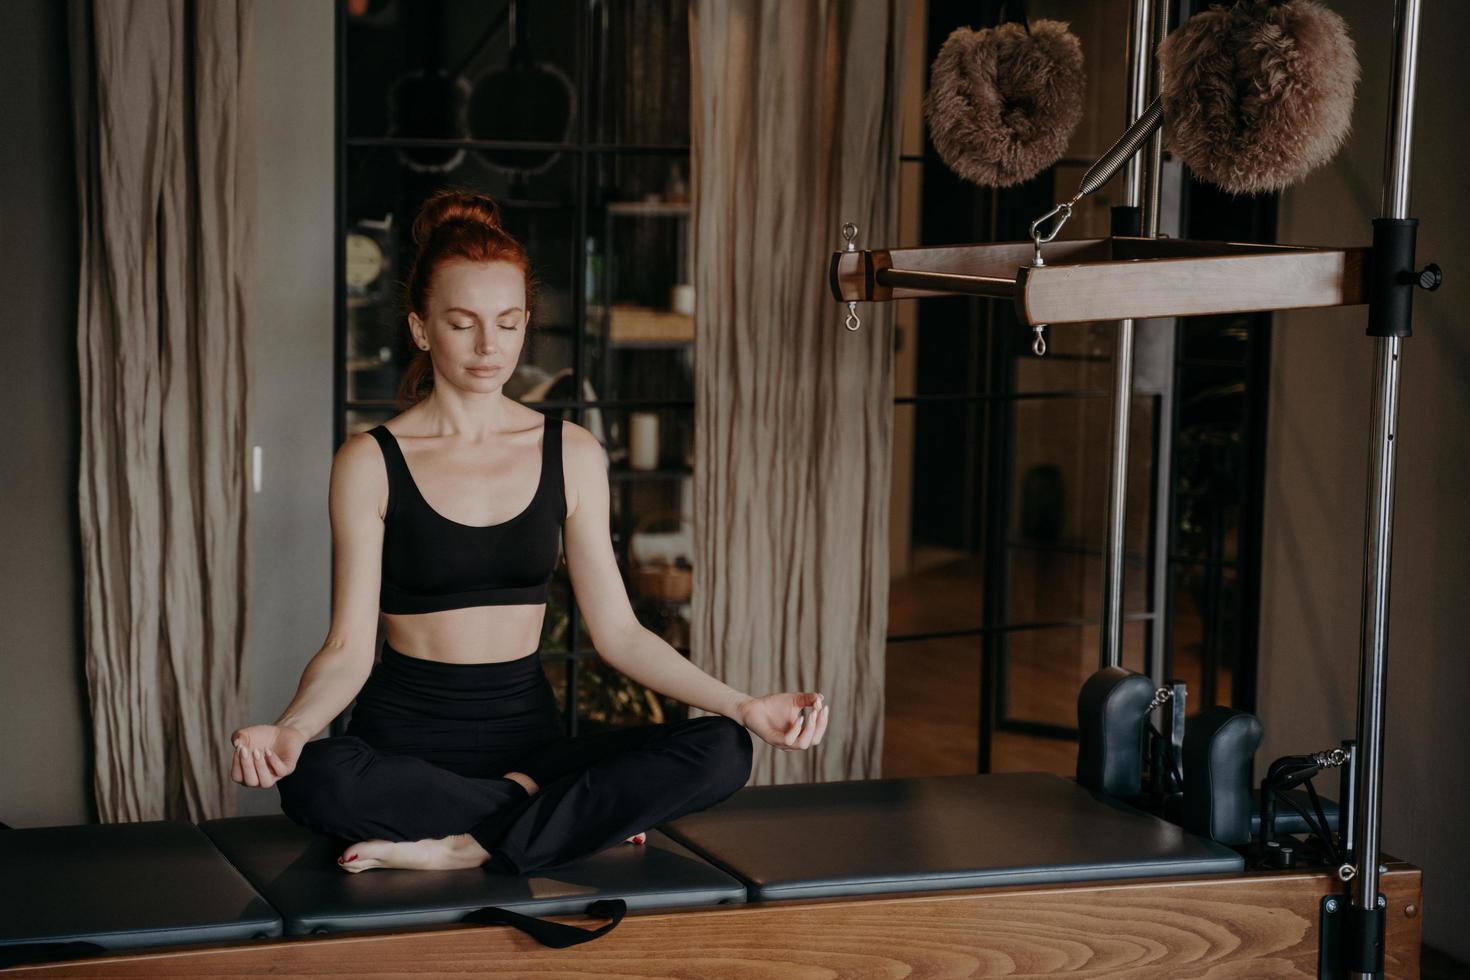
(859, 837)
(1219, 749)
(1112, 710)
(124, 886)
(1288, 820)
(296, 870)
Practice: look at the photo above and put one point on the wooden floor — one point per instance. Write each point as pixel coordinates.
(932, 718)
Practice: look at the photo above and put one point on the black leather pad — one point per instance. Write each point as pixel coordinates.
(124, 886)
(860, 837)
(296, 870)
(1112, 711)
(1289, 821)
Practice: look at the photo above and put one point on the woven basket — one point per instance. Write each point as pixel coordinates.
(658, 578)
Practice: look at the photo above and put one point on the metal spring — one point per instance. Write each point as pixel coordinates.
(1110, 162)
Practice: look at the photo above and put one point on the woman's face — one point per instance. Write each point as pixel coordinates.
(476, 325)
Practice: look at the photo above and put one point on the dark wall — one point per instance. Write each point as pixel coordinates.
(44, 777)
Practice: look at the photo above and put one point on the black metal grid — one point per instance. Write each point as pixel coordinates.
(585, 152)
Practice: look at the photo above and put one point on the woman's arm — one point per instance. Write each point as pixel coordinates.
(266, 753)
(625, 644)
(332, 678)
(616, 633)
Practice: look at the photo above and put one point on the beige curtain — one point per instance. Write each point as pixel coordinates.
(163, 99)
(795, 132)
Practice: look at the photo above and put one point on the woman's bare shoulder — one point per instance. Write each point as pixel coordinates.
(358, 467)
(581, 445)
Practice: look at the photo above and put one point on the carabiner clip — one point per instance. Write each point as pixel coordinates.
(1038, 239)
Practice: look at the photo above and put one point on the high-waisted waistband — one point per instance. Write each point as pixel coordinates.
(513, 696)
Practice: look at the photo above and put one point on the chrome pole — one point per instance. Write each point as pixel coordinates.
(1378, 543)
(1141, 75)
(1140, 71)
(1153, 188)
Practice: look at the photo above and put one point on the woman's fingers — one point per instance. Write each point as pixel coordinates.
(262, 770)
(808, 731)
(794, 732)
(252, 775)
(826, 712)
(237, 771)
(276, 766)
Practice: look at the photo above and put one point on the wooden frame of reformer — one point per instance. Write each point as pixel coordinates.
(1246, 926)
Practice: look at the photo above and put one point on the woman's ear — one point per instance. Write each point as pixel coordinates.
(418, 331)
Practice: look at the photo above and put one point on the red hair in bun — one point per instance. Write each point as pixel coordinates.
(452, 225)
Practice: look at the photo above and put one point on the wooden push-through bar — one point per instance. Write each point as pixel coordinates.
(1111, 278)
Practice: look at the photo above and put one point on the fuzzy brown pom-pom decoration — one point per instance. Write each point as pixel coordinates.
(1002, 102)
(1259, 94)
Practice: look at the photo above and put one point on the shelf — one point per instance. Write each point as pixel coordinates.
(649, 209)
(624, 473)
(645, 326)
(649, 344)
(430, 143)
(1111, 278)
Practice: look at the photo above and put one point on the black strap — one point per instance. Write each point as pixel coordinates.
(23, 953)
(557, 935)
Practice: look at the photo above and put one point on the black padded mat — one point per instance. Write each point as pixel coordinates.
(859, 837)
(124, 886)
(296, 870)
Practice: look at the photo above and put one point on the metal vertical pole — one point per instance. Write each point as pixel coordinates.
(1378, 544)
(1154, 153)
(1141, 75)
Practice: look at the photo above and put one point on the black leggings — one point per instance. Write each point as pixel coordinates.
(429, 744)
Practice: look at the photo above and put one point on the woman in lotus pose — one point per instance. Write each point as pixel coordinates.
(455, 755)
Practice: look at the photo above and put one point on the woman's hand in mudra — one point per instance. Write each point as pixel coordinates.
(777, 718)
(265, 753)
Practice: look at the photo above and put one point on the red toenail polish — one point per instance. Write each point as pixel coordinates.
(352, 857)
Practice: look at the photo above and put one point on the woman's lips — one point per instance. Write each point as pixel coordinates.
(484, 371)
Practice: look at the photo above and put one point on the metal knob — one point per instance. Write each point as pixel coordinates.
(1431, 278)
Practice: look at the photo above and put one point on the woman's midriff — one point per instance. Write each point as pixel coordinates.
(475, 634)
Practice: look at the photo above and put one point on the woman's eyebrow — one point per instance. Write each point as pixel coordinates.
(461, 309)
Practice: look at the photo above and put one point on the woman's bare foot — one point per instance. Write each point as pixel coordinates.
(436, 854)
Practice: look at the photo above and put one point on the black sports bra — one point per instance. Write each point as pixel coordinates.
(431, 562)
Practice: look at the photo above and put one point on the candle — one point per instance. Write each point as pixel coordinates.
(643, 441)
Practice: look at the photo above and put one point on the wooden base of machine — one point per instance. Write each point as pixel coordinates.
(1253, 925)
